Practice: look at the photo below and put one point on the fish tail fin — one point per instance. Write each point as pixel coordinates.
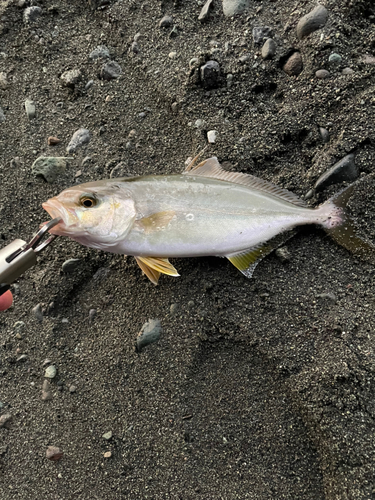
(342, 228)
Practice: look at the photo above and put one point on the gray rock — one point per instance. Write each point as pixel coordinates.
(135, 48)
(30, 109)
(107, 436)
(269, 49)
(3, 80)
(46, 391)
(100, 52)
(205, 11)
(71, 78)
(149, 334)
(5, 420)
(31, 14)
(111, 70)
(2, 115)
(166, 22)
(261, 33)
(322, 73)
(49, 167)
(38, 312)
(70, 266)
(347, 71)
(344, 170)
(50, 372)
(312, 21)
(294, 64)
(210, 74)
(324, 134)
(334, 58)
(327, 296)
(72, 389)
(19, 326)
(79, 138)
(233, 7)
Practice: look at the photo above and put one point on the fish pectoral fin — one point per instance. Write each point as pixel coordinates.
(247, 260)
(154, 266)
(155, 221)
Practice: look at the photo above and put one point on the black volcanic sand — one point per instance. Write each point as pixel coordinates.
(258, 389)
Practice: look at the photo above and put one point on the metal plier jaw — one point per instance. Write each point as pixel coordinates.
(19, 256)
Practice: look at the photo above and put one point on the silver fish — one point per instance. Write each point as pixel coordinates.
(203, 211)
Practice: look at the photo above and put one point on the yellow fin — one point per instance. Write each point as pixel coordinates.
(156, 221)
(154, 266)
(247, 261)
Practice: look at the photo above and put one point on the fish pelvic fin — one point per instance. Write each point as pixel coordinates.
(247, 260)
(342, 228)
(154, 266)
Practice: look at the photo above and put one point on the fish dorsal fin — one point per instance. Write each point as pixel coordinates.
(212, 168)
(154, 266)
(248, 260)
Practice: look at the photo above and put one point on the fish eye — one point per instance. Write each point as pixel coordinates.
(88, 202)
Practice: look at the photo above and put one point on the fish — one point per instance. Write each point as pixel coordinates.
(204, 211)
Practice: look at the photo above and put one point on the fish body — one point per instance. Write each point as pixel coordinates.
(205, 211)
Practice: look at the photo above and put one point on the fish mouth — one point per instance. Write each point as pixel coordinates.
(57, 211)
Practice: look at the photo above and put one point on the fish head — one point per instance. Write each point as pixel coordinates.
(96, 214)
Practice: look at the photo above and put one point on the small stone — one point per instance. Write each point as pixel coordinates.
(173, 309)
(71, 78)
(229, 80)
(50, 372)
(172, 55)
(347, 71)
(46, 362)
(5, 420)
(72, 389)
(243, 59)
(269, 49)
(107, 454)
(111, 70)
(3, 80)
(210, 74)
(334, 58)
(100, 52)
(22, 358)
(30, 109)
(38, 312)
(2, 115)
(283, 254)
(53, 453)
(46, 391)
(135, 48)
(312, 21)
(324, 134)
(327, 296)
(31, 14)
(344, 170)
(166, 22)
(107, 435)
(149, 334)
(174, 107)
(49, 167)
(205, 11)
(322, 73)
(19, 326)
(294, 64)
(70, 266)
(233, 7)
(194, 62)
(261, 33)
(92, 314)
(211, 136)
(79, 138)
(52, 141)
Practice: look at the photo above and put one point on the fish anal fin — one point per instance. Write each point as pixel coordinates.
(154, 266)
(247, 260)
(212, 168)
(156, 221)
(151, 274)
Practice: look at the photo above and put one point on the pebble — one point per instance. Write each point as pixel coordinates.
(205, 11)
(173, 309)
(79, 138)
(31, 14)
(3, 80)
(149, 334)
(347, 71)
(107, 454)
(322, 73)
(327, 296)
(210, 74)
(166, 22)
(72, 389)
(100, 52)
(2, 115)
(71, 78)
(324, 134)
(107, 435)
(229, 80)
(22, 358)
(70, 266)
(233, 7)
(5, 420)
(343, 170)
(19, 326)
(52, 141)
(46, 391)
(49, 167)
(38, 312)
(194, 62)
(53, 453)
(30, 109)
(134, 47)
(89, 84)
(294, 64)
(111, 70)
(312, 21)
(50, 372)
(92, 314)
(261, 33)
(269, 49)
(283, 254)
(211, 136)
(334, 58)
(172, 55)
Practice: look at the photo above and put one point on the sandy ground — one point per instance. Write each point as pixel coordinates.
(258, 389)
